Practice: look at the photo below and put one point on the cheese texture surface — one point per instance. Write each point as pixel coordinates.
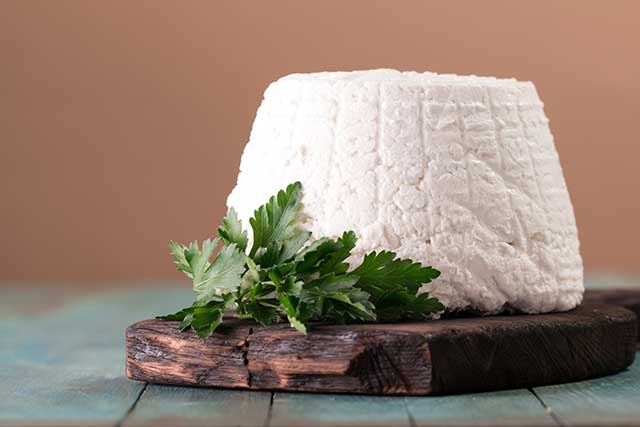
(457, 172)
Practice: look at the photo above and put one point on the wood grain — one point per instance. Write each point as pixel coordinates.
(627, 298)
(61, 355)
(166, 406)
(438, 357)
(333, 410)
(607, 401)
(491, 409)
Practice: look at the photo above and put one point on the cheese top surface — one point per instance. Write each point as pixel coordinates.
(457, 172)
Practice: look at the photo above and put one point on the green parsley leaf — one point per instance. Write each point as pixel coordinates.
(183, 255)
(180, 315)
(398, 304)
(224, 273)
(277, 219)
(288, 291)
(285, 277)
(200, 265)
(290, 247)
(326, 255)
(299, 325)
(186, 322)
(252, 269)
(393, 284)
(335, 261)
(262, 313)
(331, 282)
(203, 319)
(381, 269)
(341, 300)
(312, 258)
(231, 231)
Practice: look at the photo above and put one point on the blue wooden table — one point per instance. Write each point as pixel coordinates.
(62, 364)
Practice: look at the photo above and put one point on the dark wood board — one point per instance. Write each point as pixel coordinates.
(418, 358)
(627, 298)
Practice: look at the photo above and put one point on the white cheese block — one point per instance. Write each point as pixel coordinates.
(457, 172)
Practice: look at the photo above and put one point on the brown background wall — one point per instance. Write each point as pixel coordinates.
(122, 123)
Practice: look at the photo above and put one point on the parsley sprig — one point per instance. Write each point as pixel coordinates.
(282, 275)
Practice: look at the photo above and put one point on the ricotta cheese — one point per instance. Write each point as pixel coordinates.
(457, 172)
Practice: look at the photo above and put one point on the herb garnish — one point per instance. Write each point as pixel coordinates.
(283, 275)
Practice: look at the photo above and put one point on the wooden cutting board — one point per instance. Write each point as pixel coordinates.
(627, 298)
(418, 358)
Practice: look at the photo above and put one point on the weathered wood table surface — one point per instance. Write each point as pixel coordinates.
(62, 364)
